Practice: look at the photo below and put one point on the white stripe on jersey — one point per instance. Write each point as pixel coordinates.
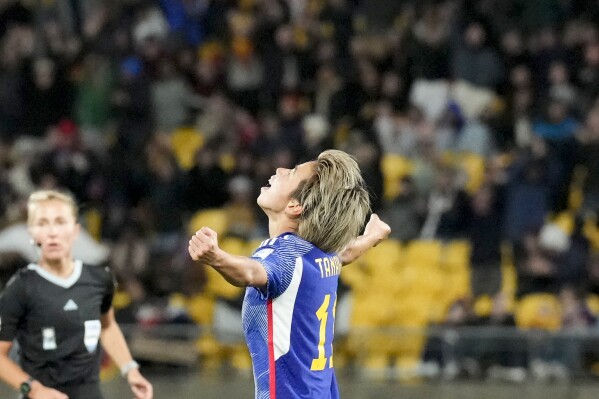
(282, 312)
(263, 253)
(64, 282)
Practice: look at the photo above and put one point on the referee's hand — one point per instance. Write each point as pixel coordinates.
(39, 391)
(141, 388)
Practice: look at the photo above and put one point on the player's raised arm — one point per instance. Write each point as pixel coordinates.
(376, 231)
(240, 271)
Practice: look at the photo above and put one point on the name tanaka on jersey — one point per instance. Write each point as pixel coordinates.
(329, 266)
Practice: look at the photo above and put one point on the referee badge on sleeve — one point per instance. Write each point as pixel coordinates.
(48, 339)
(92, 334)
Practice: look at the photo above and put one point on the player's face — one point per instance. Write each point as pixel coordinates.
(54, 229)
(277, 194)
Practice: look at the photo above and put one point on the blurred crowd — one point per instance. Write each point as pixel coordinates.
(471, 120)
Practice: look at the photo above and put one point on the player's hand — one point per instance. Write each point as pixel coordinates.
(377, 229)
(203, 246)
(141, 388)
(39, 391)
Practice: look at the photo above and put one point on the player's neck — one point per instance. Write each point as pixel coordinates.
(62, 267)
(278, 227)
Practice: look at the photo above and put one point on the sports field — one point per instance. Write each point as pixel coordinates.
(175, 384)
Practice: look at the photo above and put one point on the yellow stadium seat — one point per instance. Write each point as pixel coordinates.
(474, 166)
(456, 267)
(214, 218)
(576, 192)
(393, 168)
(201, 308)
(565, 220)
(185, 143)
(591, 232)
(217, 286)
(234, 245)
(423, 253)
(382, 261)
(121, 299)
(575, 198)
(227, 162)
(592, 302)
(456, 255)
(538, 311)
(483, 305)
(93, 223)
(509, 276)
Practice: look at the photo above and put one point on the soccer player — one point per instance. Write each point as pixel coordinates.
(59, 310)
(315, 213)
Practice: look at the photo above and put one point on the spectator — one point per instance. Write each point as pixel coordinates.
(172, 98)
(404, 213)
(445, 207)
(484, 231)
(475, 61)
(206, 176)
(532, 179)
(49, 97)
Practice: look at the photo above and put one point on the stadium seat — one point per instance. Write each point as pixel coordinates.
(564, 220)
(575, 192)
(509, 275)
(217, 286)
(455, 265)
(93, 223)
(121, 299)
(382, 263)
(200, 308)
(592, 302)
(591, 232)
(234, 245)
(474, 166)
(483, 305)
(185, 143)
(393, 168)
(215, 218)
(538, 311)
(423, 253)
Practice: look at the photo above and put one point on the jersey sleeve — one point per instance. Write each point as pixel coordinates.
(12, 307)
(110, 284)
(279, 264)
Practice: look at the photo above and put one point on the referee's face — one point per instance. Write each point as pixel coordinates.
(54, 229)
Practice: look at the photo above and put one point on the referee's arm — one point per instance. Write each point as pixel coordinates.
(114, 344)
(9, 370)
(13, 375)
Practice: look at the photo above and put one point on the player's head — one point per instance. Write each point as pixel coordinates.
(334, 201)
(52, 222)
(278, 197)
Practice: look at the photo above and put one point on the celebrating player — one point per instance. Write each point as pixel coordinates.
(59, 310)
(315, 213)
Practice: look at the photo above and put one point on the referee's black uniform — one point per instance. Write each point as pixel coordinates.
(57, 324)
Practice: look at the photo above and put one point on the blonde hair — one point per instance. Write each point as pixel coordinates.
(335, 202)
(46, 195)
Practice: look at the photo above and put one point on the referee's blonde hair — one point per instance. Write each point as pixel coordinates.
(335, 202)
(46, 195)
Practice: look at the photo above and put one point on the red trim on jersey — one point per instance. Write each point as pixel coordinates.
(272, 380)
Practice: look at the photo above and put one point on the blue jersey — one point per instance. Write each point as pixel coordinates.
(289, 325)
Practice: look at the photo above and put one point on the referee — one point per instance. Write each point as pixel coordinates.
(60, 310)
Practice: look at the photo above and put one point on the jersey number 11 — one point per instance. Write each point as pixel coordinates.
(323, 315)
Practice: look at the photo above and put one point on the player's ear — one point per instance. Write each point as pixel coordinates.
(294, 208)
